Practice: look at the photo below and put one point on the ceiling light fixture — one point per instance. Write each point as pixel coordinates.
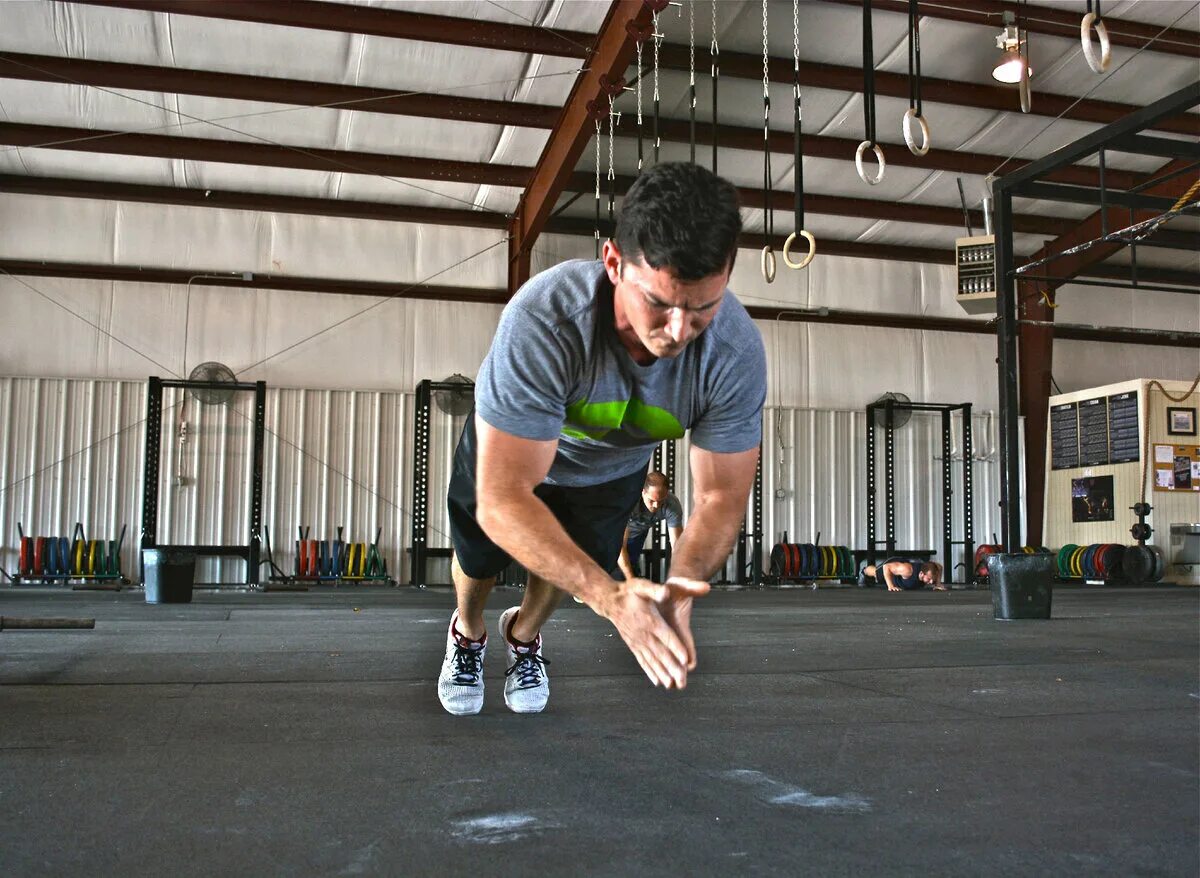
(1008, 67)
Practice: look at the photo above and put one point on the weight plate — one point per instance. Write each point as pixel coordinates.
(777, 559)
(1160, 564)
(1138, 564)
(25, 560)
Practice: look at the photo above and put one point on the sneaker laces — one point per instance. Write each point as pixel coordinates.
(468, 665)
(527, 670)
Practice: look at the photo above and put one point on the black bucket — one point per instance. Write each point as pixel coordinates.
(169, 575)
(1021, 585)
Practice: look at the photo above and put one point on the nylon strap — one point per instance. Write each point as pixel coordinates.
(868, 52)
(914, 57)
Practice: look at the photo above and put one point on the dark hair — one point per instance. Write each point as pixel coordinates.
(682, 217)
(655, 479)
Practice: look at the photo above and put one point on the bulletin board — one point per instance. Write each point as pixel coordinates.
(1177, 467)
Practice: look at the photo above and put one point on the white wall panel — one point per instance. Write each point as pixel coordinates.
(1081, 364)
(74, 452)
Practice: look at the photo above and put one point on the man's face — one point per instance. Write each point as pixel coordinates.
(926, 576)
(654, 498)
(662, 313)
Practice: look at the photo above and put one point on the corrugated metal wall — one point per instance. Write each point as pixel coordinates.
(814, 480)
(72, 450)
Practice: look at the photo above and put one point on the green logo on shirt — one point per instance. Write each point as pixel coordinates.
(594, 420)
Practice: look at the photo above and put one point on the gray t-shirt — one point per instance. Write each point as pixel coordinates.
(557, 370)
(643, 519)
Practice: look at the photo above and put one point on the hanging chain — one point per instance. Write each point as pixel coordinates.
(613, 118)
(599, 134)
(658, 38)
(639, 105)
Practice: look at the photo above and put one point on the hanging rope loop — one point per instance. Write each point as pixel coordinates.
(914, 85)
(798, 157)
(868, 53)
(1090, 20)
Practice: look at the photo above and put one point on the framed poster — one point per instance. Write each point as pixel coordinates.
(1181, 421)
(1092, 499)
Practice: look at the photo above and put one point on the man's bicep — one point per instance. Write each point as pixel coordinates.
(722, 475)
(510, 463)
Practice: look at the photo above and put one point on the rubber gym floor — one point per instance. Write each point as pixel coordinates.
(839, 732)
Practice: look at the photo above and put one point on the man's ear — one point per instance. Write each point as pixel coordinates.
(611, 257)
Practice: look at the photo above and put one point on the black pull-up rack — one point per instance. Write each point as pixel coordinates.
(251, 551)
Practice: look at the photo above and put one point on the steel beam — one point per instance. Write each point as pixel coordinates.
(345, 18)
(1088, 195)
(296, 92)
(1049, 21)
(612, 52)
(355, 19)
(1164, 147)
(259, 154)
(495, 296)
(1177, 102)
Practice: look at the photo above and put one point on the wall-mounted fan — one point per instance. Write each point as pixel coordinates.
(900, 411)
(456, 400)
(212, 373)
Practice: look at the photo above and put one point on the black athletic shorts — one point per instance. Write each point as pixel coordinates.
(593, 516)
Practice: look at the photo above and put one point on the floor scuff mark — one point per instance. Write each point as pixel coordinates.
(777, 793)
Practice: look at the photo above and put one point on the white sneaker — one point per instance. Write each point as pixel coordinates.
(526, 684)
(460, 685)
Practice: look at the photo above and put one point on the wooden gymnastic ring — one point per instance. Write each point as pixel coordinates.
(858, 162)
(767, 264)
(812, 249)
(908, 132)
(1098, 65)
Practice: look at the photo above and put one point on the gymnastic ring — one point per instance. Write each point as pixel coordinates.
(812, 249)
(767, 263)
(858, 162)
(1089, 51)
(908, 133)
(1023, 88)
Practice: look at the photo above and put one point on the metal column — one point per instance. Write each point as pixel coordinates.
(947, 493)
(889, 474)
(870, 507)
(968, 501)
(1007, 330)
(757, 533)
(420, 498)
(260, 417)
(150, 472)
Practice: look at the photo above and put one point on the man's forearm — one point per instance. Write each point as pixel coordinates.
(524, 527)
(704, 545)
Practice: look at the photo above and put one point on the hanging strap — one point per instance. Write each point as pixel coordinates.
(798, 138)
(914, 57)
(768, 217)
(715, 51)
(798, 229)
(692, 79)
(868, 53)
